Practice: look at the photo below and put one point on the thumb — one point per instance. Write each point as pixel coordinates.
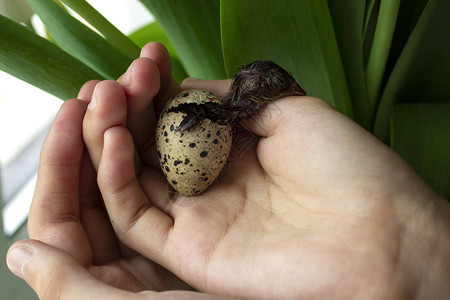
(54, 274)
(217, 87)
(267, 120)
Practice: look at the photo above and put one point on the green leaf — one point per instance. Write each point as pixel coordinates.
(99, 22)
(154, 32)
(37, 61)
(193, 27)
(409, 13)
(297, 35)
(422, 72)
(421, 135)
(80, 41)
(379, 52)
(348, 21)
(368, 14)
(369, 29)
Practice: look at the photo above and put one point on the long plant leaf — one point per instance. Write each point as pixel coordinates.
(381, 46)
(99, 22)
(80, 41)
(193, 27)
(298, 35)
(421, 135)
(368, 14)
(154, 32)
(422, 73)
(369, 29)
(37, 61)
(348, 21)
(409, 13)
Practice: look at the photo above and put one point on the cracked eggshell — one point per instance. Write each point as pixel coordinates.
(191, 160)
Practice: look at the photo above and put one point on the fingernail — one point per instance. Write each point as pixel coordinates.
(17, 258)
(93, 102)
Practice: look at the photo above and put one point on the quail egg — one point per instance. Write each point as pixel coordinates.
(191, 159)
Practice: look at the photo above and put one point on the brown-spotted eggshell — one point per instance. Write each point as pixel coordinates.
(191, 160)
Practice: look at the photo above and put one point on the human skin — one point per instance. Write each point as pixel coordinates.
(316, 207)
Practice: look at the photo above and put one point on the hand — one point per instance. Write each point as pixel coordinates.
(76, 254)
(315, 208)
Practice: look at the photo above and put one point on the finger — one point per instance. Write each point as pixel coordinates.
(104, 244)
(182, 295)
(265, 122)
(54, 213)
(169, 87)
(141, 83)
(108, 108)
(94, 218)
(149, 85)
(53, 274)
(93, 215)
(280, 114)
(131, 213)
(85, 93)
(158, 53)
(217, 87)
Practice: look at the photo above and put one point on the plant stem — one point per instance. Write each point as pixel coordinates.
(109, 31)
(379, 52)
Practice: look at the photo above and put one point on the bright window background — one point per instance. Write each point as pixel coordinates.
(26, 114)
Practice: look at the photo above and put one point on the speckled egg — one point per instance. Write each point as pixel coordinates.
(192, 159)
